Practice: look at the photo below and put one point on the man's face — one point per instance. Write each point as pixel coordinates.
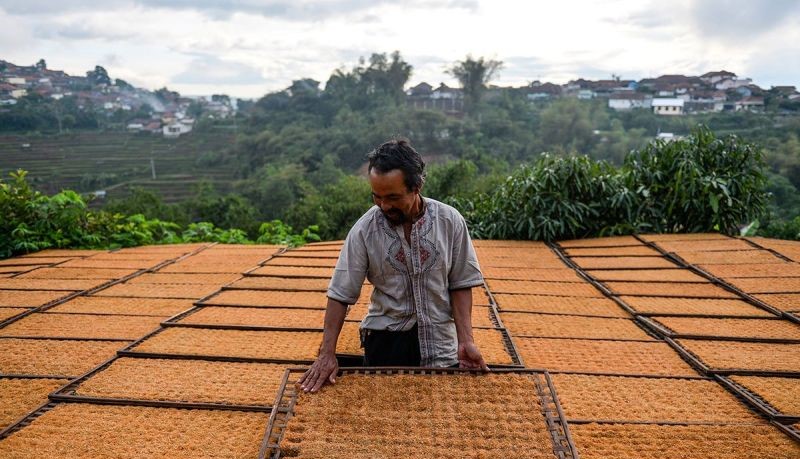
(389, 192)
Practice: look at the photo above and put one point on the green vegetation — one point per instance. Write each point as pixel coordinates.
(297, 154)
(699, 184)
(33, 221)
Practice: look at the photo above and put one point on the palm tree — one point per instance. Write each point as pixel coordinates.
(474, 74)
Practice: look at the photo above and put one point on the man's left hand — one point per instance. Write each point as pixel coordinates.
(470, 357)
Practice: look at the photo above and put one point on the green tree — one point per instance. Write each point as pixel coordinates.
(474, 75)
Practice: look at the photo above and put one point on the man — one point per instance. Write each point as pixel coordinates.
(417, 254)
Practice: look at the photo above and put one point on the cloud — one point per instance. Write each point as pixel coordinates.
(208, 70)
(81, 30)
(740, 19)
(295, 10)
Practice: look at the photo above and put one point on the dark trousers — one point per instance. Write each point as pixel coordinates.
(384, 348)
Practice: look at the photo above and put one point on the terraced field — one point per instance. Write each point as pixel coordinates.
(57, 162)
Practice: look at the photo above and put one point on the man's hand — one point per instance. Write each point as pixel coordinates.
(323, 370)
(470, 357)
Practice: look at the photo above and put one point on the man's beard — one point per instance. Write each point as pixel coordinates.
(395, 216)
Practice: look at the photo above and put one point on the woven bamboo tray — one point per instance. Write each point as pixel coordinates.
(292, 271)
(207, 268)
(119, 264)
(447, 415)
(602, 356)
(179, 278)
(563, 326)
(751, 329)
(630, 251)
(25, 261)
(245, 345)
(637, 441)
(730, 258)
(683, 237)
(721, 245)
(66, 285)
(768, 285)
(622, 262)
(776, 396)
(550, 262)
(103, 431)
(30, 298)
(672, 289)
(310, 248)
(293, 261)
(184, 291)
(613, 241)
(83, 326)
(77, 273)
(734, 357)
(583, 289)
(20, 396)
(141, 258)
(162, 307)
(647, 275)
(495, 346)
(19, 269)
(693, 307)
(773, 243)
(63, 253)
(598, 307)
(724, 271)
(789, 302)
(549, 275)
(316, 300)
(7, 313)
(259, 317)
(53, 357)
(171, 382)
(792, 253)
(481, 243)
(281, 283)
(586, 398)
(515, 255)
(312, 253)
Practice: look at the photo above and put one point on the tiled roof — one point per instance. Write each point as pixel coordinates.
(626, 347)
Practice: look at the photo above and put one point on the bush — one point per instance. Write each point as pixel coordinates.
(699, 184)
(32, 221)
(555, 198)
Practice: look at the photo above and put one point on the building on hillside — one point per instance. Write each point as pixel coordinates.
(178, 128)
(541, 91)
(421, 90)
(444, 98)
(628, 100)
(668, 106)
(750, 104)
(713, 78)
(733, 83)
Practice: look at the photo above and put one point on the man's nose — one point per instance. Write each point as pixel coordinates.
(385, 207)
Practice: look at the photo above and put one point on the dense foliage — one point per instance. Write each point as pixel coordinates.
(32, 221)
(698, 184)
(299, 153)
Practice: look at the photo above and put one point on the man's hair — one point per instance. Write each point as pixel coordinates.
(398, 154)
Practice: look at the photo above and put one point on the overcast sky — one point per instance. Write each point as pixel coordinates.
(247, 48)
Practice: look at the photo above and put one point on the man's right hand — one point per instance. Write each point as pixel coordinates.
(323, 370)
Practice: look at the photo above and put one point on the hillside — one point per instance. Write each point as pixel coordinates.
(116, 161)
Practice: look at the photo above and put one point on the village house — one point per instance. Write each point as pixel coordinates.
(628, 100)
(668, 106)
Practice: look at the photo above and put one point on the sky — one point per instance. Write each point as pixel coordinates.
(247, 48)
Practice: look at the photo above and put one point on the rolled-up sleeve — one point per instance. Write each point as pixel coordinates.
(465, 271)
(351, 269)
